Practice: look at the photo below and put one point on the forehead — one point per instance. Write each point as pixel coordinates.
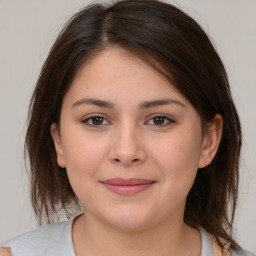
(117, 64)
(115, 71)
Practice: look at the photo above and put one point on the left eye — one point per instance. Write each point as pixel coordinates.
(159, 121)
(96, 121)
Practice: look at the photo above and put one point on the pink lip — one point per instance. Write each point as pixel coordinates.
(127, 186)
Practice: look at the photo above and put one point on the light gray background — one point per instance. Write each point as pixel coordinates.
(27, 31)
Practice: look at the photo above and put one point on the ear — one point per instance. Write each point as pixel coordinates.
(211, 141)
(58, 145)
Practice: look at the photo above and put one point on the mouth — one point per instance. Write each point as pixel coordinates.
(127, 186)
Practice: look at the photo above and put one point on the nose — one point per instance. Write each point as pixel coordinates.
(127, 149)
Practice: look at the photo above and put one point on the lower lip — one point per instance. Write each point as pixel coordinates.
(128, 189)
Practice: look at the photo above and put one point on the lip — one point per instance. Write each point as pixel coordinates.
(132, 186)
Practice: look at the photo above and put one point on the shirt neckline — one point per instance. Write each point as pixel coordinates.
(68, 236)
(206, 247)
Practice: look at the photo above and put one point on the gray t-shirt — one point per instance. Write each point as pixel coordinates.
(56, 240)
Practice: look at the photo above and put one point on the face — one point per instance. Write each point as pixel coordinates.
(130, 142)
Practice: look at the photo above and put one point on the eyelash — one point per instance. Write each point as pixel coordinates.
(166, 119)
(88, 121)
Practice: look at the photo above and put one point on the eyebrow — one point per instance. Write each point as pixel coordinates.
(97, 102)
(143, 105)
(155, 103)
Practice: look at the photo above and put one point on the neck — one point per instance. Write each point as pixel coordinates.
(91, 237)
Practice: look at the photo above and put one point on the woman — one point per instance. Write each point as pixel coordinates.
(133, 134)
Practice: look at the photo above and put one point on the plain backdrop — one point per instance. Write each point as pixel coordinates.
(27, 30)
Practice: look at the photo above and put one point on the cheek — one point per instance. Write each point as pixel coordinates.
(83, 156)
(177, 152)
(178, 158)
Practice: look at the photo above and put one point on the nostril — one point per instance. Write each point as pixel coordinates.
(132, 161)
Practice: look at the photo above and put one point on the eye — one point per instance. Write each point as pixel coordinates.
(160, 121)
(96, 121)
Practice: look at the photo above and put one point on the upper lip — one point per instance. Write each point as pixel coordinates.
(127, 182)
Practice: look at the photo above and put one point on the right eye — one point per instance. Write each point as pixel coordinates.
(95, 121)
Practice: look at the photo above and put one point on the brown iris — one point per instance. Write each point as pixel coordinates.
(159, 120)
(97, 120)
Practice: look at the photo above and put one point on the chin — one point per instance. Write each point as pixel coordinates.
(130, 219)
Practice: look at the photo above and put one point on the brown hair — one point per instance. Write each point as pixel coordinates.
(176, 46)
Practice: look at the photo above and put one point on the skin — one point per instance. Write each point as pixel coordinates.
(128, 141)
(5, 251)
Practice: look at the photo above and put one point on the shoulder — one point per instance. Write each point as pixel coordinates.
(45, 240)
(211, 247)
(227, 252)
(242, 253)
